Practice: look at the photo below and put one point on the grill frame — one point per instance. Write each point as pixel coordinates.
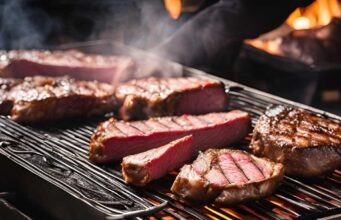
(285, 63)
(26, 176)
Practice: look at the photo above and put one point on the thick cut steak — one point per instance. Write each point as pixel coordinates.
(113, 140)
(227, 177)
(6, 84)
(140, 169)
(22, 63)
(306, 144)
(154, 97)
(39, 98)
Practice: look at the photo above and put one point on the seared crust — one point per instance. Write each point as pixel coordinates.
(39, 99)
(155, 97)
(112, 140)
(195, 188)
(103, 68)
(97, 141)
(6, 104)
(306, 144)
(140, 169)
(135, 174)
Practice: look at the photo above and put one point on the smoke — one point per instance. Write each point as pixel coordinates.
(142, 25)
(156, 23)
(28, 24)
(139, 24)
(24, 25)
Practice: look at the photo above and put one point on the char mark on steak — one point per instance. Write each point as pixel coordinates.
(227, 177)
(307, 145)
(78, 65)
(37, 99)
(142, 168)
(113, 140)
(6, 84)
(154, 97)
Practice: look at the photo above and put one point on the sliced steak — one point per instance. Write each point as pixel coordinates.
(114, 139)
(6, 84)
(154, 97)
(306, 144)
(227, 177)
(40, 98)
(140, 169)
(22, 63)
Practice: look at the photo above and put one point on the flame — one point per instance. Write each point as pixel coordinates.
(174, 8)
(319, 13)
(301, 23)
(222, 216)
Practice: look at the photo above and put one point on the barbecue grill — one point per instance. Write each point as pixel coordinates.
(275, 74)
(48, 166)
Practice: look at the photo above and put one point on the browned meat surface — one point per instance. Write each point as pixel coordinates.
(113, 140)
(140, 169)
(39, 98)
(5, 86)
(227, 177)
(22, 63)
(306, 144)
(154, 97)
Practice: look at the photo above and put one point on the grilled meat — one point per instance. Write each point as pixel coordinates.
(227, 177)
(306, 144)
(153, 97)
(114, 139)
(22, 63)
(5, 86)
(142, 168)
(39, 98)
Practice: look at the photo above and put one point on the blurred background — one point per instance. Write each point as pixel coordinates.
(295, 55)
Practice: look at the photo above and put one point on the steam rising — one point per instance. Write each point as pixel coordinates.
(141, 24)
(146, 30)
(23, 26)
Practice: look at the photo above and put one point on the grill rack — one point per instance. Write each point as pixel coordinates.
(59, 155)
(49, 166)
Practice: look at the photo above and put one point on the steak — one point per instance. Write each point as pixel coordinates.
(22, 63)
(39, 98)
(307, 145)
(227, 177)
(5, 86)
(113, 140)
(142, 168)
(154, 97)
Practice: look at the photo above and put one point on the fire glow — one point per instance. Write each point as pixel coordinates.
(173, 7)
(317, 14)
(176, 7)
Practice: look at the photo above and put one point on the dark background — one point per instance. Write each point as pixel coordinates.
(145, 24)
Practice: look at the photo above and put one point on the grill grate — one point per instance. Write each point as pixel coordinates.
(59, 154)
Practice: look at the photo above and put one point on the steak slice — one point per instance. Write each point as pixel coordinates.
(78, 65)
(6, 84)
(227, 177)
(142, 168)
(40, 98)
(306, 144)
(113, 140)
(154, 97)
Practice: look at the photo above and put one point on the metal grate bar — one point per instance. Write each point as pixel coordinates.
(63, 151)
(296, 183)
